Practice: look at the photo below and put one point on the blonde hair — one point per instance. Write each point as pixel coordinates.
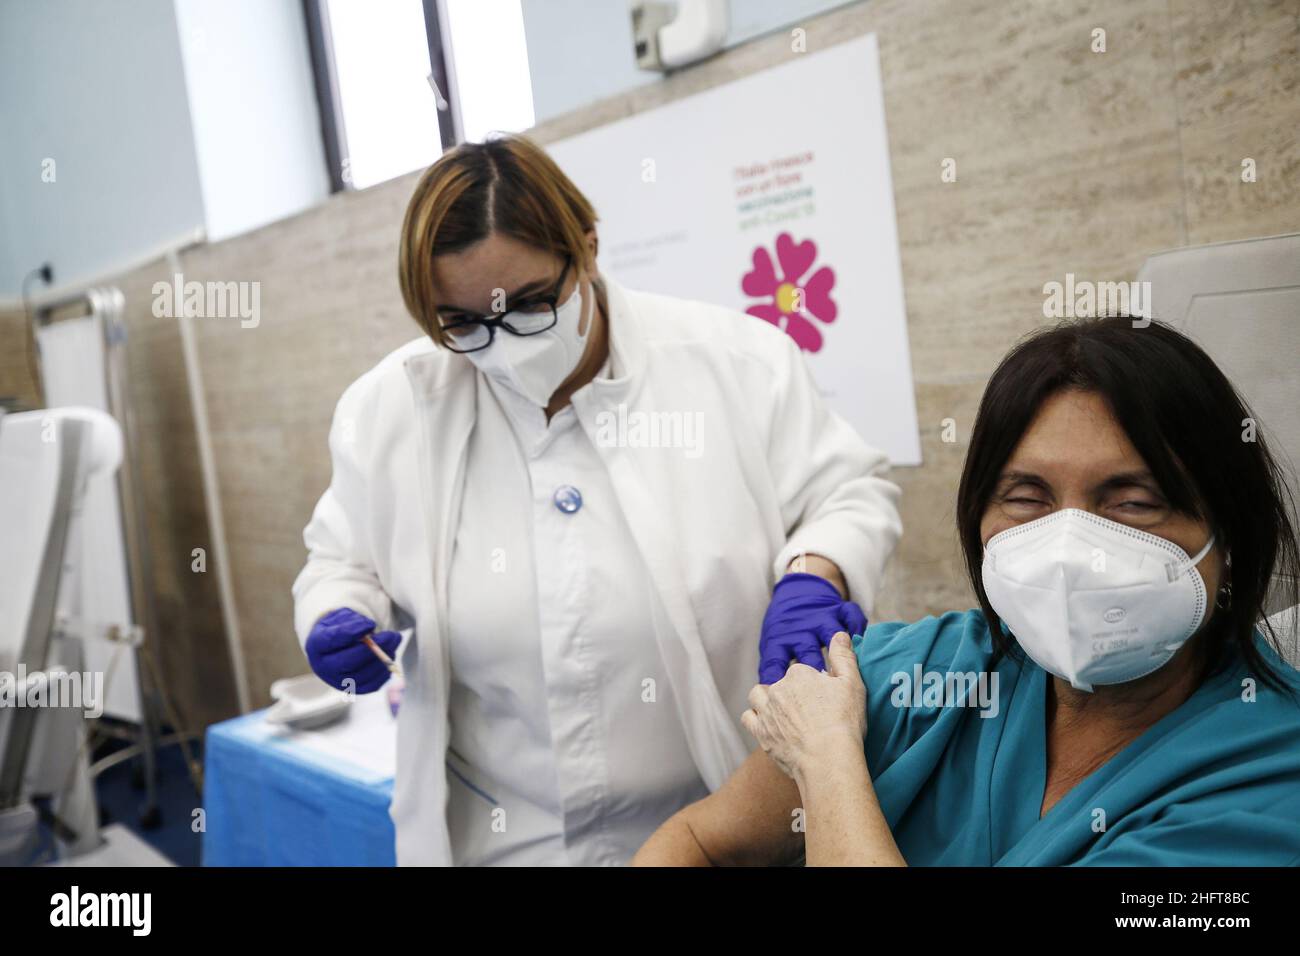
(505, 185)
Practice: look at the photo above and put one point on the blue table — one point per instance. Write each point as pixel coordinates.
(271, 800)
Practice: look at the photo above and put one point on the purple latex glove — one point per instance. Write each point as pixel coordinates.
(805, 613)
(336, 652)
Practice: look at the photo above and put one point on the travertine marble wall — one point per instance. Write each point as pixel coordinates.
(1067, 161)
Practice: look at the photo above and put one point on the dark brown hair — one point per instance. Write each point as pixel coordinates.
(1190, 426)
(505, 185)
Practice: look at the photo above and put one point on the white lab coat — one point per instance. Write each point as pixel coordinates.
(778, 474)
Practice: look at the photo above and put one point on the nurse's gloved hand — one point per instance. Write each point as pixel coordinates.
(805, 613)
(337, 653)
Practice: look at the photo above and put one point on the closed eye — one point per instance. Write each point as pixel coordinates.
(461, 328)
(532, 305)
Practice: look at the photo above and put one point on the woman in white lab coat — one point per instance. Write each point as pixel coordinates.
(578, 497)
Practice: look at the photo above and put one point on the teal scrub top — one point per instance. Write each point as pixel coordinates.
(1215, 782)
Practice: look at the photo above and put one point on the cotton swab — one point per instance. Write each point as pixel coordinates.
(391, 664)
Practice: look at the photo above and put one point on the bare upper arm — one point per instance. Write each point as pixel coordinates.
(749, 820)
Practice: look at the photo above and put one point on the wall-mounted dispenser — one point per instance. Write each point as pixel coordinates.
(668, 36)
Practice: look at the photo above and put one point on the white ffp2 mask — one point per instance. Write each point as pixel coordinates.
(536, 365)
(1091, 600)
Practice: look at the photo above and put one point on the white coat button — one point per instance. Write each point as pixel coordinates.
(568, 499)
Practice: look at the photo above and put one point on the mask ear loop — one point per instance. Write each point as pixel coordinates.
(1176, 571)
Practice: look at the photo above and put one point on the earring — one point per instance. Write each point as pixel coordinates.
(1223, 599)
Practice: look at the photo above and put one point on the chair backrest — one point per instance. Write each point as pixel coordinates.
(39, 462)
(1286, 625)
(40, 467)
(1241, 302)
(76, 363)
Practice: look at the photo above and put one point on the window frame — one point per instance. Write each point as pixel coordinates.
(325, 77)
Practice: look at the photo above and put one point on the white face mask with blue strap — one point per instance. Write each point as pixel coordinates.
(1091, 600)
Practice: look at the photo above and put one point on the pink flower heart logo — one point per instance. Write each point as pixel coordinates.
(791, 298)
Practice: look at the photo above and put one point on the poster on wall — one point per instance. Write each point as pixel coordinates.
(771, 195)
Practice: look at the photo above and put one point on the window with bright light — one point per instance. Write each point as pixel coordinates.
(490, 59)
(382, 71)
(389, 112)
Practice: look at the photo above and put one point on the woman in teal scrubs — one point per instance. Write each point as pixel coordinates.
(1110, 702)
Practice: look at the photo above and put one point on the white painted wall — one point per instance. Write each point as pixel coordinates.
(253, 109)
(97, 88)
(580, 51)
(165, 119)
(169, 118)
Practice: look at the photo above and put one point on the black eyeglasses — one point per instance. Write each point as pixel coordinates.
(534, 315)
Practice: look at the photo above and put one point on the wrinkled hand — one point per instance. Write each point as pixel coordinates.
(806, 611)
(806, 715)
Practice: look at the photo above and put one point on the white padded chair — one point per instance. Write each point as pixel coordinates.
(46, 460)
(1286, 626)
(1240, 301)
